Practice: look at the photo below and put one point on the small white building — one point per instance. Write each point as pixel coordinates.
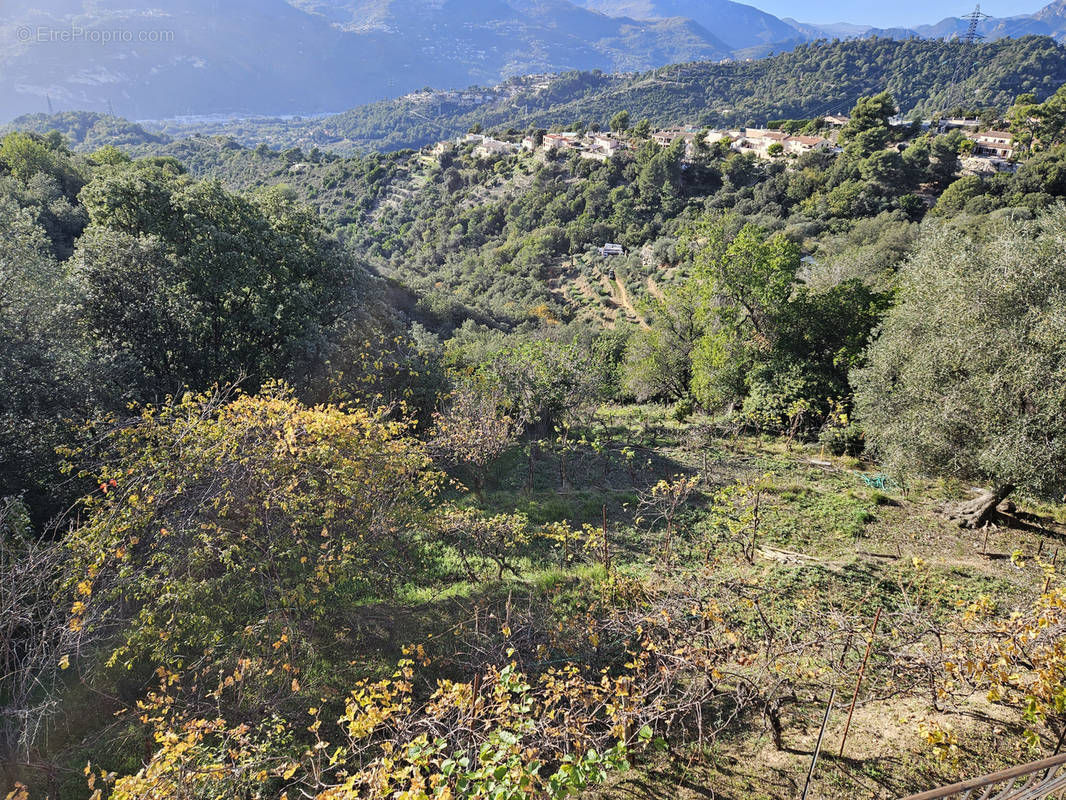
(485, 146)
(494, 147)
(665, 138)
(958, 122)
(994, 143)
(716, 135)
(798, 145)
(758, 141)
(611, 249)
(560, 141)
(607, 143)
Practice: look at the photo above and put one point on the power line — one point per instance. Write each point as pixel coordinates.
(974, 18)
(969, 39)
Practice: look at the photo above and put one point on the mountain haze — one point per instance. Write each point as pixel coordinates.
(740, 25)
(168, 58)
(812, 79)
(272, 57)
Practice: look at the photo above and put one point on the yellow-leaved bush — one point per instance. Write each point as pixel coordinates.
(227, 520)
(1019, 660)
(504, 736)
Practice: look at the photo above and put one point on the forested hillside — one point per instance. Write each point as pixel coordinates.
(86, 130)
(817, 78)
(384, 477)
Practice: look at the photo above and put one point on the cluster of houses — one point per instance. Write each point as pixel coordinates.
(595, 146)
(761, 142)
(992, 150)
(476, 96)
(603, 146)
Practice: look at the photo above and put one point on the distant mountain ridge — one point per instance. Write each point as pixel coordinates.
(812, 80)
(273, 57)
(752, 32)
(305, 56)
(738, 25)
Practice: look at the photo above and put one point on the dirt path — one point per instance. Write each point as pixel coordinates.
(654, 289)
(623, 300)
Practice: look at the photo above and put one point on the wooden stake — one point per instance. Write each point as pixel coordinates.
(606, 547)
(818, 744)
(858, 682)
(984, 547)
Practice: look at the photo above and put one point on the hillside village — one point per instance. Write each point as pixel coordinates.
(988, 151)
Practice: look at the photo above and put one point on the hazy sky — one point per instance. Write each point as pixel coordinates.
(893, 12)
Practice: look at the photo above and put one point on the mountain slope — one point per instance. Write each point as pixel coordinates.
(1048, 21)
(183, 56)
(272, 56)
(167, 58)
(812, 80)
(740, 25)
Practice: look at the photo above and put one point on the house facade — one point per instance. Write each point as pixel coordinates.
(797, 145)
(999, 144)
(494, 147)
(560, 141)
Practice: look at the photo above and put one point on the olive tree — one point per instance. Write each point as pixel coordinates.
(658, 359)
(186, 284)
(968, 376)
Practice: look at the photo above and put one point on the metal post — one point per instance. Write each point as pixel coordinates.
(858, 682)
(818, 744)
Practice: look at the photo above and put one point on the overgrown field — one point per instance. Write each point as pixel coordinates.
(733, 605)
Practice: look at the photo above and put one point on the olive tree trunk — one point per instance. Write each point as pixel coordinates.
(979, 511)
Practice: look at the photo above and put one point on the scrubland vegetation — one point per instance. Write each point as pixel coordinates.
(339, 478)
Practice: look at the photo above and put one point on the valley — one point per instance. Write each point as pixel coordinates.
(672, 430)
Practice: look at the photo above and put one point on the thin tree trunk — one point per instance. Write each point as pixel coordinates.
(530, 460)
(777, 729)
